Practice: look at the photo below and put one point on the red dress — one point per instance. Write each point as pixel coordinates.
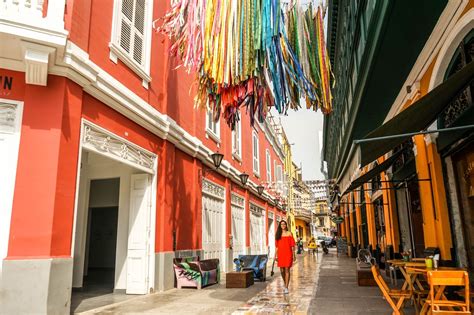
(285, 253)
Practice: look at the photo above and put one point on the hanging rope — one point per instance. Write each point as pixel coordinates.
(251, 53)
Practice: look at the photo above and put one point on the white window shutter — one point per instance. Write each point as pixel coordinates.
(131, 36)
(126, 28)
(139, 38)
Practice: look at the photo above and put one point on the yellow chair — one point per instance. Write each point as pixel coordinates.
(438, 280)
(396, 298)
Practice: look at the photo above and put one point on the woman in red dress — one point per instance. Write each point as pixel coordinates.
(285, 247)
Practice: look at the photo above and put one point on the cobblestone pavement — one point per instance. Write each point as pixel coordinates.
(272, 300)
(320, 285)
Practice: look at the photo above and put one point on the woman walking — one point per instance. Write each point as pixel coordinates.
(285, 247)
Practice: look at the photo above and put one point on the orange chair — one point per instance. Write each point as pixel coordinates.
(438, 280)
(396, 298)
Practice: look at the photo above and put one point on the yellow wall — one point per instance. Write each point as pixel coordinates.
(306, 233)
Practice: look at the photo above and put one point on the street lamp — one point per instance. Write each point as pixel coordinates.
(260, 189)
(243, 178)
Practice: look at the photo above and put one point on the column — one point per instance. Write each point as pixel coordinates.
(426, 193)
(37, 272)
(442, 222)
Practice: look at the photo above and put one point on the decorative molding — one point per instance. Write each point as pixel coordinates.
(99, 140)
(8, 116)
(36, 62)
(259, 211)
(213, 189)
(237, 200)
(462, 27)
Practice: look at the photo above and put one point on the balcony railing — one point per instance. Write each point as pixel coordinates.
(34, 13)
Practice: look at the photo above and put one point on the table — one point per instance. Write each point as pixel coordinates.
(415, 271)
(402, 265)
(242, 279)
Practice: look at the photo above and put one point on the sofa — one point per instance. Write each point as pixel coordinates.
(255, 263)
(196, 273)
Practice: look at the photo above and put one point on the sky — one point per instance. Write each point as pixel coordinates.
(304, 128)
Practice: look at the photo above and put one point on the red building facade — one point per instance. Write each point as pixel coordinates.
(106, 161)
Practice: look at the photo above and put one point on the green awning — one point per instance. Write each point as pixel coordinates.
(373, 172)
(415, 118)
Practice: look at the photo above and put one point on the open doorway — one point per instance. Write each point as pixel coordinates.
(101, 240)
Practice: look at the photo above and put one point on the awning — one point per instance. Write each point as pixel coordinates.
(373, 172)
(415, 118)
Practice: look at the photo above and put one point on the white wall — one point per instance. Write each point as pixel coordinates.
(95, 166)
(9, 145)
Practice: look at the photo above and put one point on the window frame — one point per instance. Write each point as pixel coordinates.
(214, 135)
(255, 153)
(237, 152)
(268, 161)
(117, 52)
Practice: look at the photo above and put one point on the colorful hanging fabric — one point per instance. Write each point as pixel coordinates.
(251, 53)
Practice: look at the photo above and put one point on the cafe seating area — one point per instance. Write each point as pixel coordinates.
(430, 288)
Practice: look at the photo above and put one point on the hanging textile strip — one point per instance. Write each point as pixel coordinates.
(251, 53)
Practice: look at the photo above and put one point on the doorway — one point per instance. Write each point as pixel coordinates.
(271, 235)
(101, 239)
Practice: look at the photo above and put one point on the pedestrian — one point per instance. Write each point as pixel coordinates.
(285, 247)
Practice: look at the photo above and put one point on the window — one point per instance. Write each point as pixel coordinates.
(279, 177)
(212, 127)
(269, 167)
(256, 154)
(236, 140)
(131, 36)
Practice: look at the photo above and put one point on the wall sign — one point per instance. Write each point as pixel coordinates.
(6, 85)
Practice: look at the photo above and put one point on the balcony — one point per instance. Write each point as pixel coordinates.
(33, 36)
(303, 214)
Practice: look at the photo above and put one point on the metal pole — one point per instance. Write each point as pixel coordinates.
(413, 134)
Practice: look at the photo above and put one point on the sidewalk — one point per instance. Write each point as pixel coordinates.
(319, 285)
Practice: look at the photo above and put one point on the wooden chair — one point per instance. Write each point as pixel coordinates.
(396, 298)
(438, 280)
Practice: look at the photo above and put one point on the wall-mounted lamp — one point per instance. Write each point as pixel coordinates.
(244, 178)
(216, 160)
(260, 189)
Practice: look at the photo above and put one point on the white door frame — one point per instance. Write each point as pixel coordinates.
(211, 189)
(260, 226)
(96, 139)
(239, 202)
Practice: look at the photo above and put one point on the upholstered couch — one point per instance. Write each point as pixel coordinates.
(256, 263)
(196, 273)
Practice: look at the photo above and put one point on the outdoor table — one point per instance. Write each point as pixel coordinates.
(401, 264)
(423, 270)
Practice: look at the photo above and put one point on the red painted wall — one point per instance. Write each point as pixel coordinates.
(43, 204)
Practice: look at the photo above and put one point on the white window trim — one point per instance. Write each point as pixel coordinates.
(268, 162)
(255, 137)
(237, 155)
(117, 52)
(216, 136)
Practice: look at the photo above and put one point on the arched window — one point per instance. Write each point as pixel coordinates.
(464, 54)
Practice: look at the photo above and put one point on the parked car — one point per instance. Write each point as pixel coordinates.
(326, 239)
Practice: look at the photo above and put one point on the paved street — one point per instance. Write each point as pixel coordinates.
(319, 285)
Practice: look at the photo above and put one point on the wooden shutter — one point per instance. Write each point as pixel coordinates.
(132, 29)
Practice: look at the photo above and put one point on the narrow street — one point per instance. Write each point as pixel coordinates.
(325, 284)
